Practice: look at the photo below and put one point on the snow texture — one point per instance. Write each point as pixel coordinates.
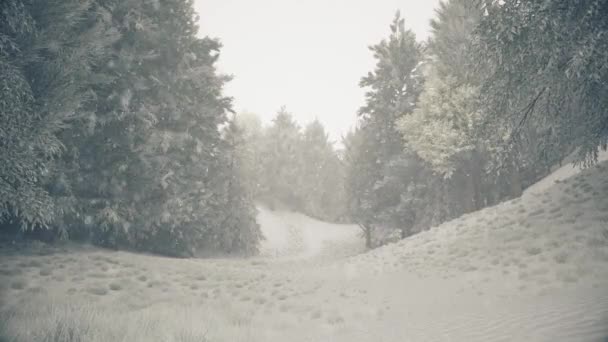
(531, 269)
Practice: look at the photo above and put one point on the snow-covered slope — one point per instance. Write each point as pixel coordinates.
(531, 269)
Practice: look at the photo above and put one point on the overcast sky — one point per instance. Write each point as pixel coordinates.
(308, 55)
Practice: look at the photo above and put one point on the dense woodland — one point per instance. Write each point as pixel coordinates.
(114, 128)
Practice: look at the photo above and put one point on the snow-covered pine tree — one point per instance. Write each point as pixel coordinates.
(112, 171)
(239, 232)
(394, 86)
(48, 53)
(282, 144)
(149, 165)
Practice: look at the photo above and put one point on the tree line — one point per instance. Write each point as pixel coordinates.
(114, 127)
(293, 167)
(500, 93)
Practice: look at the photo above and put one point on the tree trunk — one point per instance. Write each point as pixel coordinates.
(471, 192)
(403, 233)
(477, 175)
(515, 186)
(367, 231)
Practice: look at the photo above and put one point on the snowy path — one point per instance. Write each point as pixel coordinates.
(293, 236)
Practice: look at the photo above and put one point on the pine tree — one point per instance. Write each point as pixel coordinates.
(250, 152)
(394, 88)
(240, 233)
(544, 63)
(306, 173)
(321, 174)
(149, 166)
(282, 143)
(443, 129)
(48, 54)
(359, 182)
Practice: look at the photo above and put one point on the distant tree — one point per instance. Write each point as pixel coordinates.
(239, 233)
(282, 143)
(250, 152)
(321, 176)
(334, 196)
(287, 166)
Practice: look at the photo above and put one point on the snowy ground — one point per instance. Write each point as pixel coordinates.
(293, 236)
(531, 269)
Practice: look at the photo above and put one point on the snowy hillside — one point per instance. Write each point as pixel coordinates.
(531, 269)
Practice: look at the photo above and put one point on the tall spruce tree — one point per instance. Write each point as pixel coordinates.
(394, 87)
(148, 167)
(48, 54)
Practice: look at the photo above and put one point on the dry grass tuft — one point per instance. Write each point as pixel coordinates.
(561, 257)
(46, 271)
(116, 286)
(533, 250)
(9, 271)
(53, 322)
(97, 290)
(30, 263)
(18, 284)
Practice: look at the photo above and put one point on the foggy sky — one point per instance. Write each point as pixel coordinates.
(308, 55)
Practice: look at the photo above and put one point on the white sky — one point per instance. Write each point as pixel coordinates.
(308, 55)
